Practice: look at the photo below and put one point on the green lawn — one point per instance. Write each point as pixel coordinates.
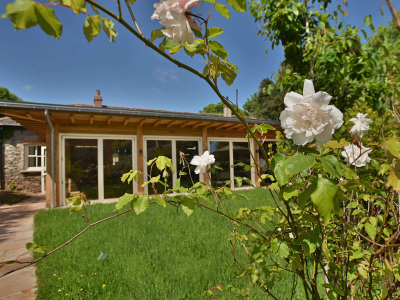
(160, 254)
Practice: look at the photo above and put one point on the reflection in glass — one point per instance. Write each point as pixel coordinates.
(81, 168)
(190, 149)
(270, 149)
(117, 158)
(241, 153)
(221, 154)
(155, 149)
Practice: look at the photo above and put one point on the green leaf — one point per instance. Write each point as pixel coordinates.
(333, 145)
(76, 207)
(188, 205)
(212, 32)
(326, 251)
(394, 177)
(324, 198)
(124, 200)
(160, 201)
(331, 165)
(356, 255)
(254, 275)
(141, 204)
(223, 10)
(248, 181)
(238, 5)
(280, 248)
(371, 230)
(156, 34)
(125, 176)
(362, 270)
(94, 9)
(136, 175)
(239, 181)
(277, 158)
(387, 269)
(48, 21)
(306, 194)
(218, 49)
(178, 183)
(77, 6)
(309, 247)
(289, 192)
(298, 163)
(155, 179)
(393, 146)
(30, 246)
(22, 14)
(108, 26)
(91, 28)
(368, 20)
(324, 17)
(161, 162)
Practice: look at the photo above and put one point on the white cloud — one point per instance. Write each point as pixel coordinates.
(165, 75)
(28, 87)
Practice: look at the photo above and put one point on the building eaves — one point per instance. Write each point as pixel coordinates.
(125, 111)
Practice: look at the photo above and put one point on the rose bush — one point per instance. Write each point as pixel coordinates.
(335, 223)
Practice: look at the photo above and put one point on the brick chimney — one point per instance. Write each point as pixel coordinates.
(98, 100)
(227, 111)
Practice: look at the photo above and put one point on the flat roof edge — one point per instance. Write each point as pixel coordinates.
(68, 108)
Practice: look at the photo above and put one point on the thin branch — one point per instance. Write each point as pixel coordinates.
(183, 66)
(134, 19)
(394, 13)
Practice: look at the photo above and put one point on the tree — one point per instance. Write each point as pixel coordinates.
(319, 47)
(6, 95)
(219, 109)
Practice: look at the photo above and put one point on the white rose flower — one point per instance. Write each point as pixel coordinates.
(173, 14)
(309, 116)
(202, 162)
(361, 125)
(352, 154)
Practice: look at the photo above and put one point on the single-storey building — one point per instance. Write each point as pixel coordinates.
(87, 147)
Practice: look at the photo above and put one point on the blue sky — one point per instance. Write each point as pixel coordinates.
(40, 68)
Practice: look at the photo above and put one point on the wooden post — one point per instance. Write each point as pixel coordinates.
(48, 167)
(57, 165)
(205, 147)
(140, 165)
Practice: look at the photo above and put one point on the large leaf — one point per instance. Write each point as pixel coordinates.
(218, 49)
(160, 201)
(306, 194)
(394, 177)
(91, 28)
(298, 163)
(21, 13)
(124, 200)
(324, 198)
(238, 5)
(188, 205)
(280, 248)
(108, 27)
(331, 165)
(393, 145)
(141, 204)
(223, 10)
(77, 6)
(48, 21)
(212, 32)
(371, 230)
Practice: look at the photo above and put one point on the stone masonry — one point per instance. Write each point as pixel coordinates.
(14, 160)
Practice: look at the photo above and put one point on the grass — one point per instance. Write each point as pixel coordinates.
(160, 254)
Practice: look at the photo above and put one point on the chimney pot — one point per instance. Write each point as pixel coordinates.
(98, 100)
(227, 111)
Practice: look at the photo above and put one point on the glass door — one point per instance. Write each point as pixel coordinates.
(154, 149)
(81, 168)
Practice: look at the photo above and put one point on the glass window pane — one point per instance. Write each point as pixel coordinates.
(155, 149)
(32, 162)
(117, 158)
(189, 149)
(241, 153)
(221, 154)
(39, 161)
(32, 150)
(44, 157)
(81, 168)
(270, 149)
(39, 150)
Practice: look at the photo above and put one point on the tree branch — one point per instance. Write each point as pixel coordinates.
(394, 13)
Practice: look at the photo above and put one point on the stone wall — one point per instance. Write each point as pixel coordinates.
(14, 160)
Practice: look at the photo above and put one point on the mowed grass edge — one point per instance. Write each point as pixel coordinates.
(160, 254)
